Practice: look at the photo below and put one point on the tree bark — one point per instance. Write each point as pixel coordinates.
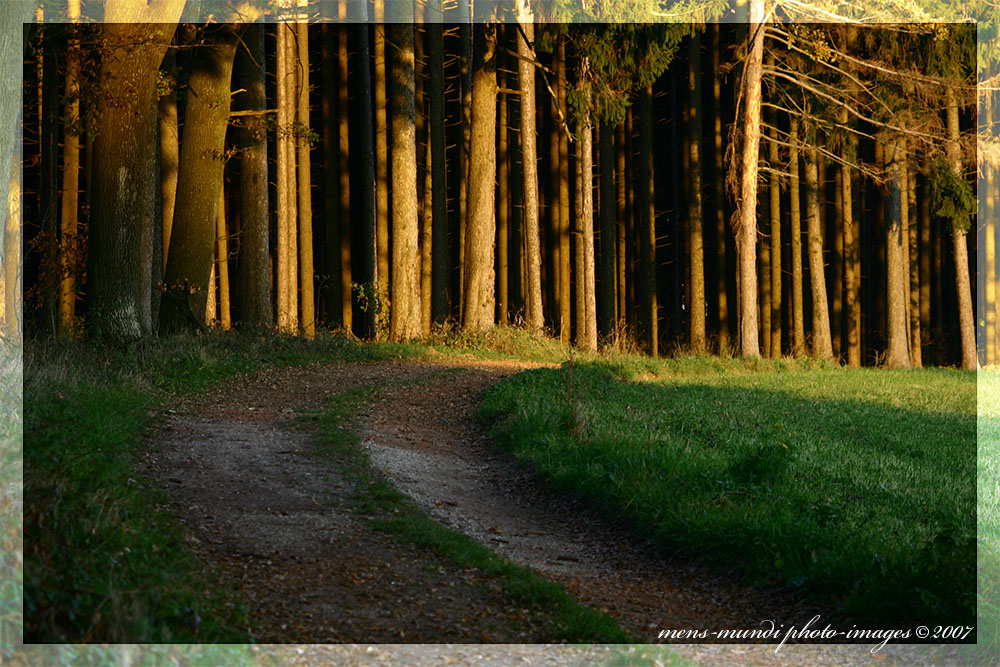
(529, 160)
(822, 347)
(303, 146)
(439, 203)
(69, 251)
(897, 355)
(383, 278)
(586, 212)
(795, 217)
(124, 176)
(254, 256)
(199, 181)
(722, 298)
(609, 239)
(369, 275)
(916, 354)
(967, 326)
(480, 298)
(696, 316)
(222, 263)
(775, 246)
(404, 323)
(502, 211)
(565, 298)
(647, 232)
(852, 282)
(746, 236)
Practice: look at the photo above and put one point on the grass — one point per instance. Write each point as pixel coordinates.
(100, 563)
(989, 516)
(855, 485)
(398, 515)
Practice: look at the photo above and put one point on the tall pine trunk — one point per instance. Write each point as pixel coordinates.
(822, 346)
(405, 322)
(966, 324)
(69, 253)
(367, 297)
(381, 155)
(795, 217)
(305, 183)
(775, 243)
(697, 254)
(897, 355)
(852, 256)
(439, 203)
(647, 233)
(529, 161)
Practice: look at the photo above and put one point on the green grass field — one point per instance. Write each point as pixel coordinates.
(856, 485)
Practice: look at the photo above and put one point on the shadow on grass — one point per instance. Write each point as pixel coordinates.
(869, 505)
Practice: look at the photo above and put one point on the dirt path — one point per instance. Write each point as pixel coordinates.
(276, 522)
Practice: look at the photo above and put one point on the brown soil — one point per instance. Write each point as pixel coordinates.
(269, 516)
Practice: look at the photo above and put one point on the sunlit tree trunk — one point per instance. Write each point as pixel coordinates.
(439, 203)
(586, 212)
(287, 305)
(967, 327)
(383, 277)
(565, 299)
(405, 322)
(502, 212)
(607, 304)
(852, 273)
(303, 146)
(366, 149)
(721, 295)
(69, 254)
(222, 263)
(697, 256)
(480, 298)
(897, 355)
(822, 347)
(747, 233)
(529, 160)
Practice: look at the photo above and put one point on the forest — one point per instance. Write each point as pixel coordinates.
(614, 184)
(526, 322)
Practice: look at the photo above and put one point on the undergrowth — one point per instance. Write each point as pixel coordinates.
(854, 485)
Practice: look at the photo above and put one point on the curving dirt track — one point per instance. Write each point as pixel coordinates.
(274, 520)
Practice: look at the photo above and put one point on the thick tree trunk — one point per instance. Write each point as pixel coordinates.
(124, 179)
(286, 288)
(199, 182)
(647, 232)
(480, 298)
(746, 236)
(254, 257)
(502, 212)
(795, 217)
(967, 326)
(405, 323)
(696, 320)
(529, 160)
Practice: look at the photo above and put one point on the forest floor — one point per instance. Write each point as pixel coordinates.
(242, 474)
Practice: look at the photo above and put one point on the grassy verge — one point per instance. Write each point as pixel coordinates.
(858, 485)
(100, 563)
(399, 516)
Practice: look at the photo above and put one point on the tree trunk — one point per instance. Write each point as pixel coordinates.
(586, 213)
(369, 275)
(124, 180)
(916, 354)
(529, 160)
(200, 180)
(480, 298)
(775, 243)
(502, 212)
(697, 256)
(439, 202)
(69, 252)
(822, 347)
(222, 262)
(344, 173)
(897, 355)
(647, 231)
(746, 236)
(287, 193)
(608, 301)
(722, 299)
(852, 273)
(383, 278)
(405, 321)
(795, 217)
(254, 257)
(967, 327)
(562, 165)
(306, 275)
